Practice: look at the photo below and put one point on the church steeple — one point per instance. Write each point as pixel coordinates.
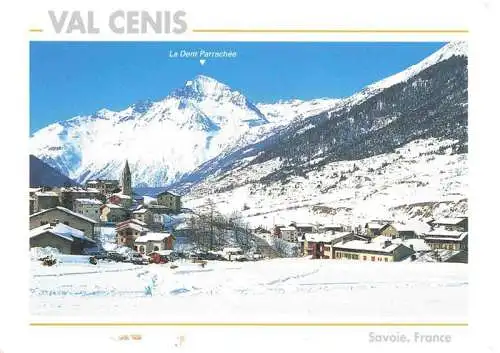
(126, 180)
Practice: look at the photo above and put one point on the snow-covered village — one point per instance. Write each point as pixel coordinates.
(329, 209)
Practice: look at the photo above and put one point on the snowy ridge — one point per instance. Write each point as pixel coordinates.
(446, 52)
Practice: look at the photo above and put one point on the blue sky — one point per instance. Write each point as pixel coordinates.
(79, 78)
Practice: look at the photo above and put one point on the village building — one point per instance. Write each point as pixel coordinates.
(304, 227)
(170, 200)
(89, 207)
(440, 238)
(459, 224)
(128, 231)
(65, 216)
(113, 213)
(319, 245)
(143, 214)
(67, 196)
(379, 227)
(289, 233)
(43, 200)
(64, 238)
(105, 186)
(369, 250)
(120, 199)
(150, 242)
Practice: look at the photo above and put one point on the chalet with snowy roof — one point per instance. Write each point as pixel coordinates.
(143, 214)
(319, 245)
(456, 223)
(66, 239)
(105, 186)
(89, 207)
(43, 200)
(380, 227)
(65, 216)
(113, 213)
(442, 238)
(128, 231)
(67, 196)
(369, 250)
(170, 200)
(150, 242)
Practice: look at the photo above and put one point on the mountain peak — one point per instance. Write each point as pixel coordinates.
(205, 86)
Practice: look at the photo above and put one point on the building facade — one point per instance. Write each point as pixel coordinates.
(43, 200)
(89, 208)
(169, 200)
(62, 215)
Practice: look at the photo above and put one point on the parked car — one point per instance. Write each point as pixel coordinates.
(138, 259)
(233, 254)
(257, 255)
(116, 256)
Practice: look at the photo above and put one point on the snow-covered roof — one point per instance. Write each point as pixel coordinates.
(304, 225)
(132, 225)
(418, 244)
(89, 201)
(122, 196)
(150, 236)
(360, 245)
(141, 210)
(65, 210)
(443, 233)
(332, 225)
(46, 193)
(325, 237)
(168, 192)
(78, 189)
(60, 229)
(449, 221)
(35, 189)
(289, 229)
(459, 237)
(376, 225)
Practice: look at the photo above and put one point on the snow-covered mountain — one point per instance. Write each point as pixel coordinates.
(162, 140)
(398, 147)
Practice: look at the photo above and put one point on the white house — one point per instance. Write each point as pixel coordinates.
(154, 242)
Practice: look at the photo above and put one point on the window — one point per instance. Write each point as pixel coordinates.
(386, 259)
(373, 258)
(66, 222)
(156, 248)
(364, 258)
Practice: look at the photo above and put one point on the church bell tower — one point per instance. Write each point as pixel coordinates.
(126, 180)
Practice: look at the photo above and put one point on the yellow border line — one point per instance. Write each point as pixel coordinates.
(36, 30)
(348, 30)
(247, 324)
